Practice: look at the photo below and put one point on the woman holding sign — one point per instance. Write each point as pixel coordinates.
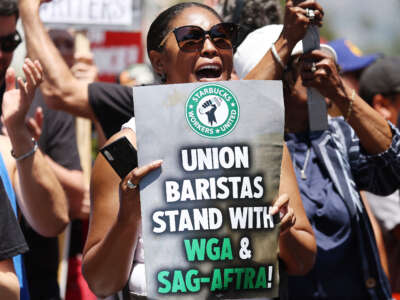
(188, 43)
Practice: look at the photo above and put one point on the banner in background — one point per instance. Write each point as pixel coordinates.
(83, 14)
(115, 51)
(206, 220)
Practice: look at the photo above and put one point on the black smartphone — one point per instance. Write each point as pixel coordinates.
(121, 155)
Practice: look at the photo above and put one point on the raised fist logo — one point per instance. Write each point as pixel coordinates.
(209, 107)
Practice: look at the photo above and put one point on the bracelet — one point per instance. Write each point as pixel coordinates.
(350, 108)
(27, 154)
(277, 57)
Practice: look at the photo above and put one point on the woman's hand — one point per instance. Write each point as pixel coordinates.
(129, 191)
(286, 213)
(318, 70)
(35, 123)
(297, 19)
(16, 102)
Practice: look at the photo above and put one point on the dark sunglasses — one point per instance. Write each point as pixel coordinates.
(9, 42)
(191, 38)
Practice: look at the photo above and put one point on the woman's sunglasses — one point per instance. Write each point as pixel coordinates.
(9, 42)
(191, 38)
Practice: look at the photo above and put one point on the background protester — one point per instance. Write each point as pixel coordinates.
(55, 132)
(352, 61)
(109, 104)
(380, 87)
(40, 196)
(332, 166)
(114, 242)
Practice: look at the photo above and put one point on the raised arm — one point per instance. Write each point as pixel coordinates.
(296, 243)
(114, 225)
(41, 197)
(295, 27)
(372, 129)
(61, 89)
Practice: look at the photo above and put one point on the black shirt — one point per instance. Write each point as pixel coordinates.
(112, 105)
(12, 241)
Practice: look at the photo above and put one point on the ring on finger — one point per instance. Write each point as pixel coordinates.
(131, 185)
(313, 67)
(310, 13)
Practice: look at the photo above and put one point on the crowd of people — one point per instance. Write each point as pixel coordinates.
(338, 203)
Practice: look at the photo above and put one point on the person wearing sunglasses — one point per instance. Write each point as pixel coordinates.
(111, 104)
(186, 43)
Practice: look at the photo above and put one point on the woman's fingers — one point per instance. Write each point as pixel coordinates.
(131, 181)
(311, 4)
(33, 73)
(298, 18)
(22, 87)
(129, 191)
(318, 69)
(35, 124)
(280, 204)
(36, 70)
(287, 221)
(39, 67)
(10, 79)
(29, 76)
(286, 213)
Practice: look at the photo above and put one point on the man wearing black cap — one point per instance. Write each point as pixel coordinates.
(380, 87)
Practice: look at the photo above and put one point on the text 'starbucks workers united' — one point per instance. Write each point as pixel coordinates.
(212, 111)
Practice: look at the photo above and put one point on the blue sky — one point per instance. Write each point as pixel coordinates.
(372, 25)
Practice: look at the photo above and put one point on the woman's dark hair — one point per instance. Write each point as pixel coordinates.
(161, 25)
(251, 14)
(8, 8)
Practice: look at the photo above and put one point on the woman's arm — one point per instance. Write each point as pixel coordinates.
(40, 195)
(294, 29)
(61, 90)
(9, 285)
(372, 129)
(297, 243)
(114, 224)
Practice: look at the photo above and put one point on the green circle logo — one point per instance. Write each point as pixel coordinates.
(212, 111)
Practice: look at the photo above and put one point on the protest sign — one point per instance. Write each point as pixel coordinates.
(115, 51)
(83, 14)
(207, 228)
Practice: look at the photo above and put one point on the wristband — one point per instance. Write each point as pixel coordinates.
(277, 57)
(27, 154)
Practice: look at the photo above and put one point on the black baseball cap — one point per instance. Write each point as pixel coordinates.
(382, 77)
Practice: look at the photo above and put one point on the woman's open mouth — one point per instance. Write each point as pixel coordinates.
(209, 72)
